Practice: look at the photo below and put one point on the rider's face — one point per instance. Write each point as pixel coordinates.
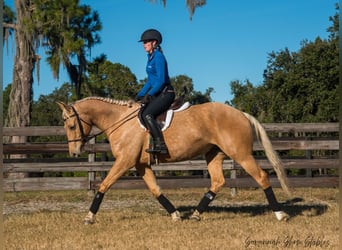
(149, 46)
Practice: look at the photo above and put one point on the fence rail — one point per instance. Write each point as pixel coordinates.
(304, 137)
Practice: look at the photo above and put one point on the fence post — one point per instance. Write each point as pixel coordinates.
(233, 190)
(308, 155)
(104, 157)
(91, 174)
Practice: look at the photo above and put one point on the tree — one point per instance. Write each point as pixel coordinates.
(246, 97)
(5, 99)
(298, 86)
(8, 18)
(116, 81)
(191, 4)
(304, 87)
(65, 29)
(24, 61)
(45, 112)
(109, 79)
(69, 32)
(184, 87)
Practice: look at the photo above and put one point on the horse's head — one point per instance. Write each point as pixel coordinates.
(77, 128)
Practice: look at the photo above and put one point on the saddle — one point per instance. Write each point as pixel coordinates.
(165, 118)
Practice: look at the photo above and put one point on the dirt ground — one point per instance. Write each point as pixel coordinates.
(133, 219)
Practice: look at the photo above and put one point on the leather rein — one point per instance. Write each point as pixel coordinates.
(85, 138)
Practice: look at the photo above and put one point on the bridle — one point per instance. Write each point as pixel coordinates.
(84, 139)
(79, 120)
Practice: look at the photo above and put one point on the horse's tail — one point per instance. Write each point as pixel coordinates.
(272, 156)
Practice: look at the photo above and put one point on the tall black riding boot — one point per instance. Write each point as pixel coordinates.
(159, 146)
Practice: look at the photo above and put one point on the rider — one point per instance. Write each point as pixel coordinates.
(157, 94)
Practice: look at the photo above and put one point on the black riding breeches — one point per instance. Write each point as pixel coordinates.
(159, 104)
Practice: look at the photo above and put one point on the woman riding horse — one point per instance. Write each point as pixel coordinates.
(216, 131)
(157, 94)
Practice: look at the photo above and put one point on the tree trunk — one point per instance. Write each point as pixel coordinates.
(24, 61)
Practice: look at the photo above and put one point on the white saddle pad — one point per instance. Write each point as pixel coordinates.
(169, 116)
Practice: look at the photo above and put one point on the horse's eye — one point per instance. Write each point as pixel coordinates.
(72, 127)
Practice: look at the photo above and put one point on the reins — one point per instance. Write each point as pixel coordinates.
(123, 121)
(84, 139)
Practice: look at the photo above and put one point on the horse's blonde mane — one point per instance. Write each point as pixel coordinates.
(108, 100)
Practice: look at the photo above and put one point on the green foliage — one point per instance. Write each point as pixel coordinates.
(191, 4)
(68, 31)
(45, 111)
(6, 99)
(109, 79)
(298, 86)
(116, 81)
(184, 87)
(244, 97)
(8, 18)
(105, 79)
(198, 97)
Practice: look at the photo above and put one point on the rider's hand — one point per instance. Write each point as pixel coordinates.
(146, 99)
(137, 98)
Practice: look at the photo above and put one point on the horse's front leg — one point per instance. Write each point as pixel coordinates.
(151, 182)
(117, 170)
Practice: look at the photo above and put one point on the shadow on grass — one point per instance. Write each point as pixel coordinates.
(290, 207)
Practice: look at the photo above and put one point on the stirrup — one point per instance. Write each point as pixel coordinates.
(160, 150)
(159, 147)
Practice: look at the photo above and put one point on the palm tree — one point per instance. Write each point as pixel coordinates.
(77, 36)
(191, 4)
(65, 29)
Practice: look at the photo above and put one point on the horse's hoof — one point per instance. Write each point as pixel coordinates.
(196, 216)
(282, 216)
(88, 222)
(89, 219)
(175, 216)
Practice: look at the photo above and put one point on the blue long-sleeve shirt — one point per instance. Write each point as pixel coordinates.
(157, 74)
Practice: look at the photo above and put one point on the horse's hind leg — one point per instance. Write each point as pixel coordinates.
(214, 160)
(151, 182)
(261, 177)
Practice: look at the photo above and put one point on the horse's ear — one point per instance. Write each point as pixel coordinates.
(63, 106)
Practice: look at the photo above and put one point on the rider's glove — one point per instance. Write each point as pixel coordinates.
(137, 98)
(147, 98)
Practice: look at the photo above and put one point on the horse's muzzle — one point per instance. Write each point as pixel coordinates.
(75, 151)
(76, 155)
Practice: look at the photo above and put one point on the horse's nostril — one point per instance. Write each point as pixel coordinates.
(74, 155)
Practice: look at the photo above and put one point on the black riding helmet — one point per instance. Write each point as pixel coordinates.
(151, 34)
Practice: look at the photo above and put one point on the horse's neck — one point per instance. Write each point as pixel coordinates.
(104, 115)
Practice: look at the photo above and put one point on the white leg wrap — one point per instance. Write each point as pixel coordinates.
(281, 215)
(89, 219)
(175, 216)
(196, 216)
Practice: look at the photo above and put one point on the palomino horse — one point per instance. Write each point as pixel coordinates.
(211, 129)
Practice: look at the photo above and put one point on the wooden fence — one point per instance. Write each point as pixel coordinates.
(307, 139)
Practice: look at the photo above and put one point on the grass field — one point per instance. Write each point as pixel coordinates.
(133, 219)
